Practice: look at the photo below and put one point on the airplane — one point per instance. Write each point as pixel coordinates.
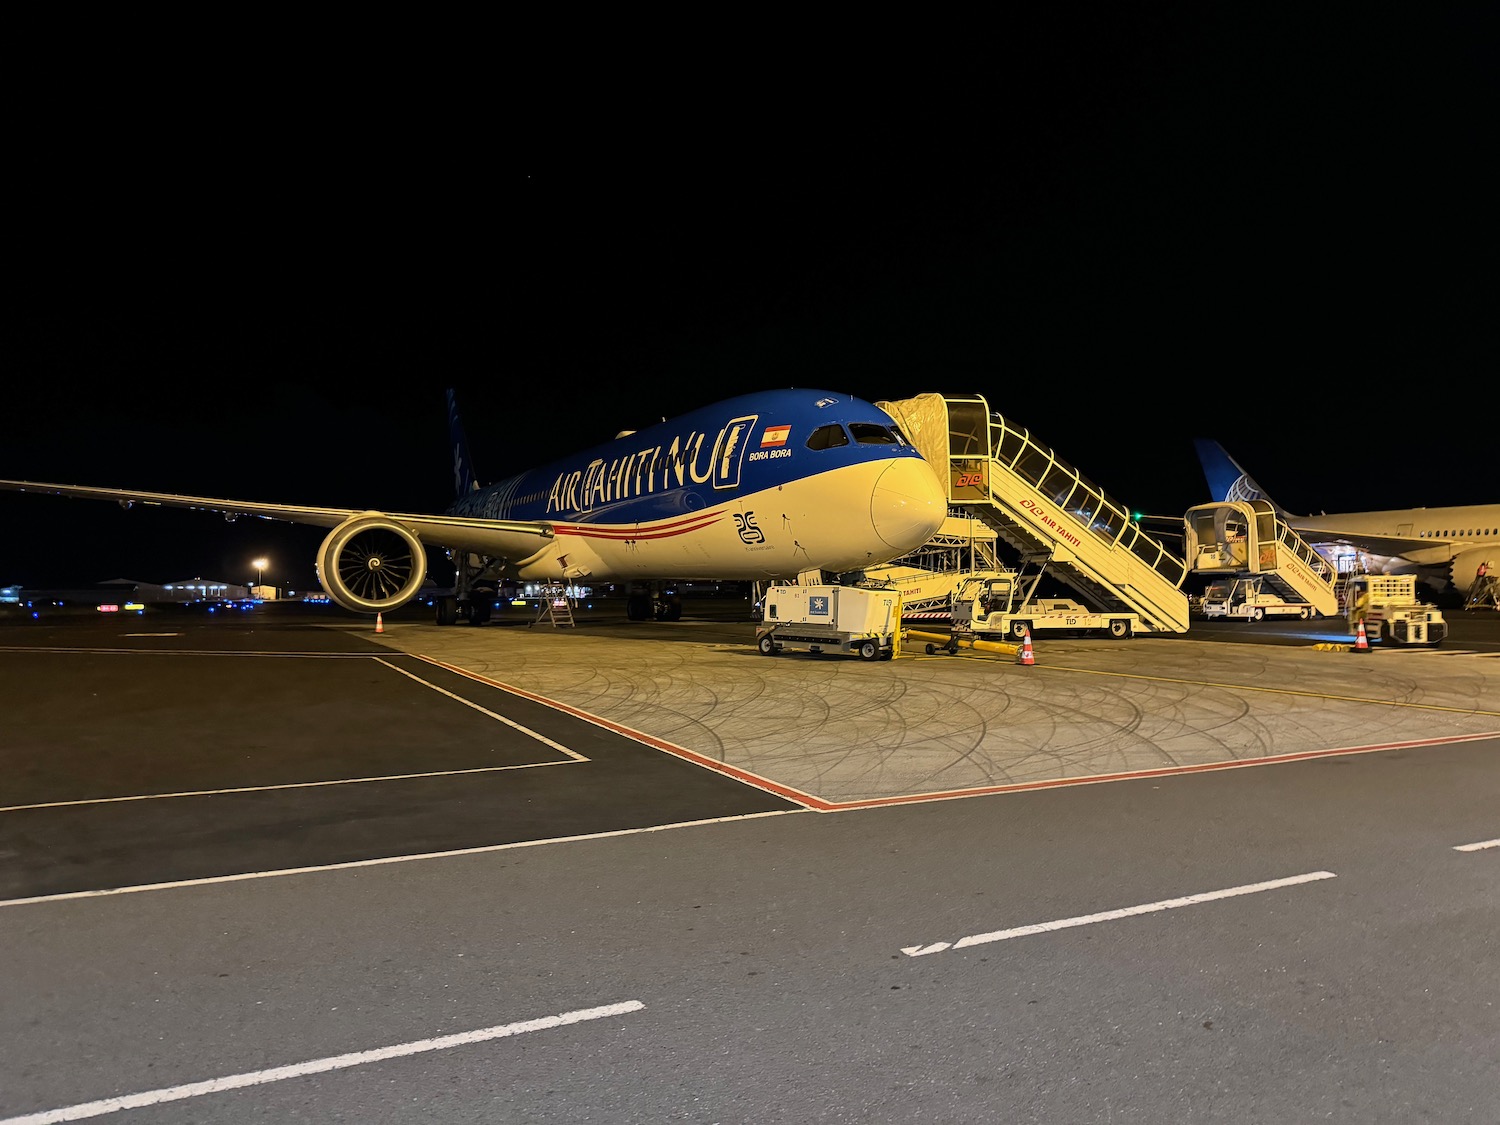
(1446, 548)
(771, 486)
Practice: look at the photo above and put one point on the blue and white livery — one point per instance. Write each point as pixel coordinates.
(761, 487)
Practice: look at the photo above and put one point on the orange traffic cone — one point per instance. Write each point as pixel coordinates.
(1025, 655)
(379, 623)
(1361, 642)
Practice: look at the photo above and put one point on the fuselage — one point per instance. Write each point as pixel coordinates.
(1444, 546)
(763, 486)
(1464, 526)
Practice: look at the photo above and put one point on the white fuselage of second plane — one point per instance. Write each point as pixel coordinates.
(1452, 542)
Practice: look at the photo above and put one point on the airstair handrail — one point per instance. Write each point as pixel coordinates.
(1086, 503)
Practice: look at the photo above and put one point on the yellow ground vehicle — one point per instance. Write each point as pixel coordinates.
(1388, 606)
(986, 606)
(1248, 598)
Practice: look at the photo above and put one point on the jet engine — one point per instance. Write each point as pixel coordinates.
(371, 563)
(1463, 570)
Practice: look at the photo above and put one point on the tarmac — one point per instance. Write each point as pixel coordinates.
(839, 732)
(279, 866)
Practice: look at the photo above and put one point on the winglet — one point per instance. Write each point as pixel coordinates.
(1227, 480)
(464, 481)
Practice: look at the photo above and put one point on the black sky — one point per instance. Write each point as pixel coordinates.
(1126, 233)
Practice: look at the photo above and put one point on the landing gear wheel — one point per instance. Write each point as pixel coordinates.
(447, 610)
(868, 650)
(638, 608)
(766, 645)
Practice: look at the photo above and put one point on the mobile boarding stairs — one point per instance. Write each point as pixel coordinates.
(1245, 538)
(1042, 508)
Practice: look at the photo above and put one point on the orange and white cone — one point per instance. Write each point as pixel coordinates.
(1361, 642)
(1025, 655)
(379, 623)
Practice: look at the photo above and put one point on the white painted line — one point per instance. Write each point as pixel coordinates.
(1479, 847)
(284, 785)
(543, 739)
(382, 861)
(1111, 915)
(315, 1066)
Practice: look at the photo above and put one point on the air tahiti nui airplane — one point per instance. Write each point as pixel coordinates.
(764, 487)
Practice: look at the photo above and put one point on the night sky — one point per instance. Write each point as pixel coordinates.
(1124, 235)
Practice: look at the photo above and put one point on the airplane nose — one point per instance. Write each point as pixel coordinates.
(909, 504)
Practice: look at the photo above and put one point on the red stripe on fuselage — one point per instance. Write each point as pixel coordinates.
(638, 531)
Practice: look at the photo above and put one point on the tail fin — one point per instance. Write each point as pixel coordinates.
(1226, 479)
(464, 481)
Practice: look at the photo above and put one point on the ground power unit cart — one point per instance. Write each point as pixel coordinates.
(847, 620)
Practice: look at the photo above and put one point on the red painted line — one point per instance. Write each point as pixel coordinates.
(806, 800)
(1165, 771)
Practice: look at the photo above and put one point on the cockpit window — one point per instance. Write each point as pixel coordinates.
(868, 433)
(827, 437)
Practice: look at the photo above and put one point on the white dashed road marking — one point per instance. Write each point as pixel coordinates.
(315, 1066)
(1111, 915)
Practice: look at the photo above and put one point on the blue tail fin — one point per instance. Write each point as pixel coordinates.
(464, 481)
(1226, 479)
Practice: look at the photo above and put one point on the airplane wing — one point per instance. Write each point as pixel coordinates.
(441, 531)
(1364, 540)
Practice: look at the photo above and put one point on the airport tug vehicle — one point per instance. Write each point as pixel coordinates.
(1391, 612)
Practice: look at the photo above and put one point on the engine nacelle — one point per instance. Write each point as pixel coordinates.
(371, 563)
(1465, 566)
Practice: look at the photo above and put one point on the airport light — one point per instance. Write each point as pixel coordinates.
(259, 565)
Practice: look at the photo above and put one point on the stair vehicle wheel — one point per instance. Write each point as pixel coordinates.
(868, 650)
(1257, 613)
(1119, 628)
(766, 645)
(1019, 629)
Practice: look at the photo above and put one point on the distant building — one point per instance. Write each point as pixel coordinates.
(120, 590)
(202, 589)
